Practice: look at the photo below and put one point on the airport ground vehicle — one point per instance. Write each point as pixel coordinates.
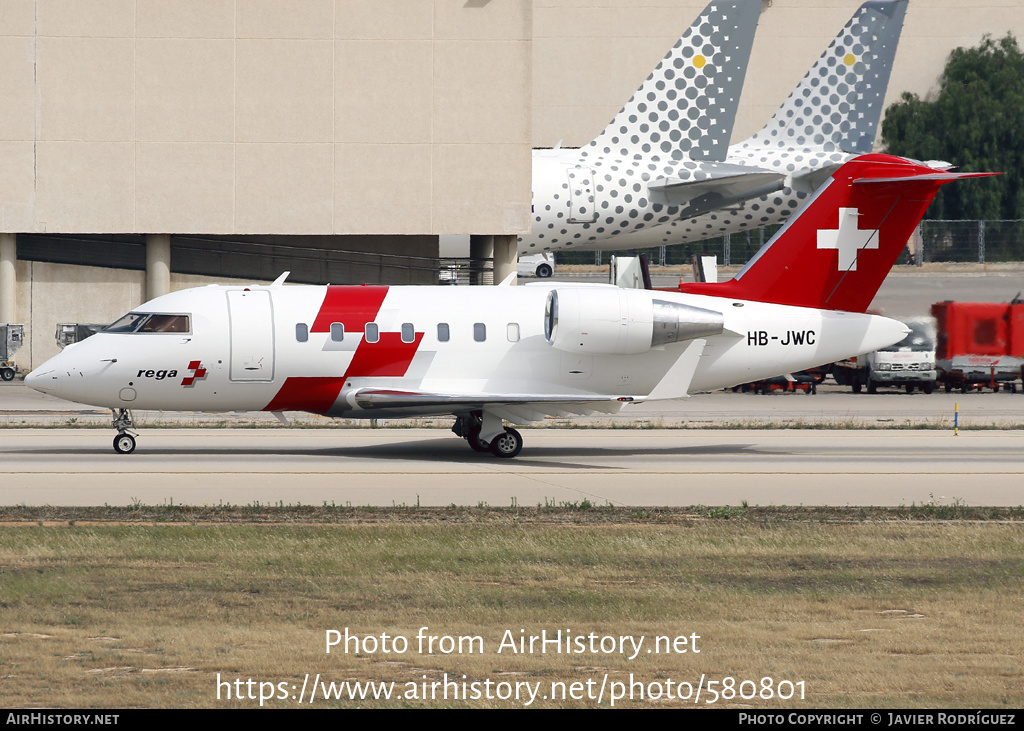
(74, 332)
(11, 339)
(795, 382)
(536, 265)
(908, 364)
(980, 344)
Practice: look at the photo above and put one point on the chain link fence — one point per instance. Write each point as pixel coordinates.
(933, 241)
(969, 241)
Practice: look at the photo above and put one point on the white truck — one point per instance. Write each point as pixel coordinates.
(909, 363)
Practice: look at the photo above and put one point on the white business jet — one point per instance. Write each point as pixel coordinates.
(489, 354)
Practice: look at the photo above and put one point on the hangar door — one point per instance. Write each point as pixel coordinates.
(251, 315)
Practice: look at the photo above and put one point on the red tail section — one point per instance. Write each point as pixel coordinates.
(835, 252)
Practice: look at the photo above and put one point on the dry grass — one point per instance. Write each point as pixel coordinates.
(874, 614)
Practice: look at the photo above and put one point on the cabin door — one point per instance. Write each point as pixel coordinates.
(251, 315)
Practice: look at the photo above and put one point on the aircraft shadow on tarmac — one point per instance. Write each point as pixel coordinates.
(433, 450)
(447, 451)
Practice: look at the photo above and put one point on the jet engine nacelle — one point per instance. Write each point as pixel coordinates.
(616, 321)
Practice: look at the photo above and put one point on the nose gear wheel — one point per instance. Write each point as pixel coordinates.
(124, 442)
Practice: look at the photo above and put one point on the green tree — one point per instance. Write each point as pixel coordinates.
(976, 122)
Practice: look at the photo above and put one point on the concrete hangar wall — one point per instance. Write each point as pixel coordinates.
(143, 141)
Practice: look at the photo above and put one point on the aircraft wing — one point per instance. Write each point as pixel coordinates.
(518, 408)
(521, 408)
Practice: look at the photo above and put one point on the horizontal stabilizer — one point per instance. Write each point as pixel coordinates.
(944, 177)
(733, 184)
(727, 185)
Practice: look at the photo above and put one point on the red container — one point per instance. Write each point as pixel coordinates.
(978, 328)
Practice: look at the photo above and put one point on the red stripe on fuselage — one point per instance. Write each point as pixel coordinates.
(388, 358)
(351, 306)
(315, 395)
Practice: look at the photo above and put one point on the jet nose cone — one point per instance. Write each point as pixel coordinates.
(40, 380)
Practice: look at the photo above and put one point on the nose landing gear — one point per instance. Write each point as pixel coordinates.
(124, 442)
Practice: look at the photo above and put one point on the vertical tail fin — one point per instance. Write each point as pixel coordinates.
(838, 103)
(687, 106)
(835, 252)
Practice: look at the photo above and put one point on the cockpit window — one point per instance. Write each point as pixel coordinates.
(165, 324)
(145, 322)
(127, 324)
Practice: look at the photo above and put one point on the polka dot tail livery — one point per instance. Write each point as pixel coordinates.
(661, 172)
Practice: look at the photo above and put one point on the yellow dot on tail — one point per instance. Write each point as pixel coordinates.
(699, 61)
(849, 59)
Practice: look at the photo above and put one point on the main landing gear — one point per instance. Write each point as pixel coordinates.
(475, 427)
(124, 442)
(507, 445)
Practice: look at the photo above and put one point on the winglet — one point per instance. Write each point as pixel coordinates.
(836, 251)
(279, 282)
(687, 106)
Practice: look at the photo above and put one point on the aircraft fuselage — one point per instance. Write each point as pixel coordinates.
(316, 349)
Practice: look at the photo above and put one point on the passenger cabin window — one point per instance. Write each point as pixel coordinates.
(372, 332)
(301, 332)
(442, 332)
(337, 332)
(145, 322)
(479, 332)
(408, 332)
(513, 332)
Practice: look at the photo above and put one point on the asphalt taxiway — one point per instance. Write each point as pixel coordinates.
(832, 448)
(642, 467)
